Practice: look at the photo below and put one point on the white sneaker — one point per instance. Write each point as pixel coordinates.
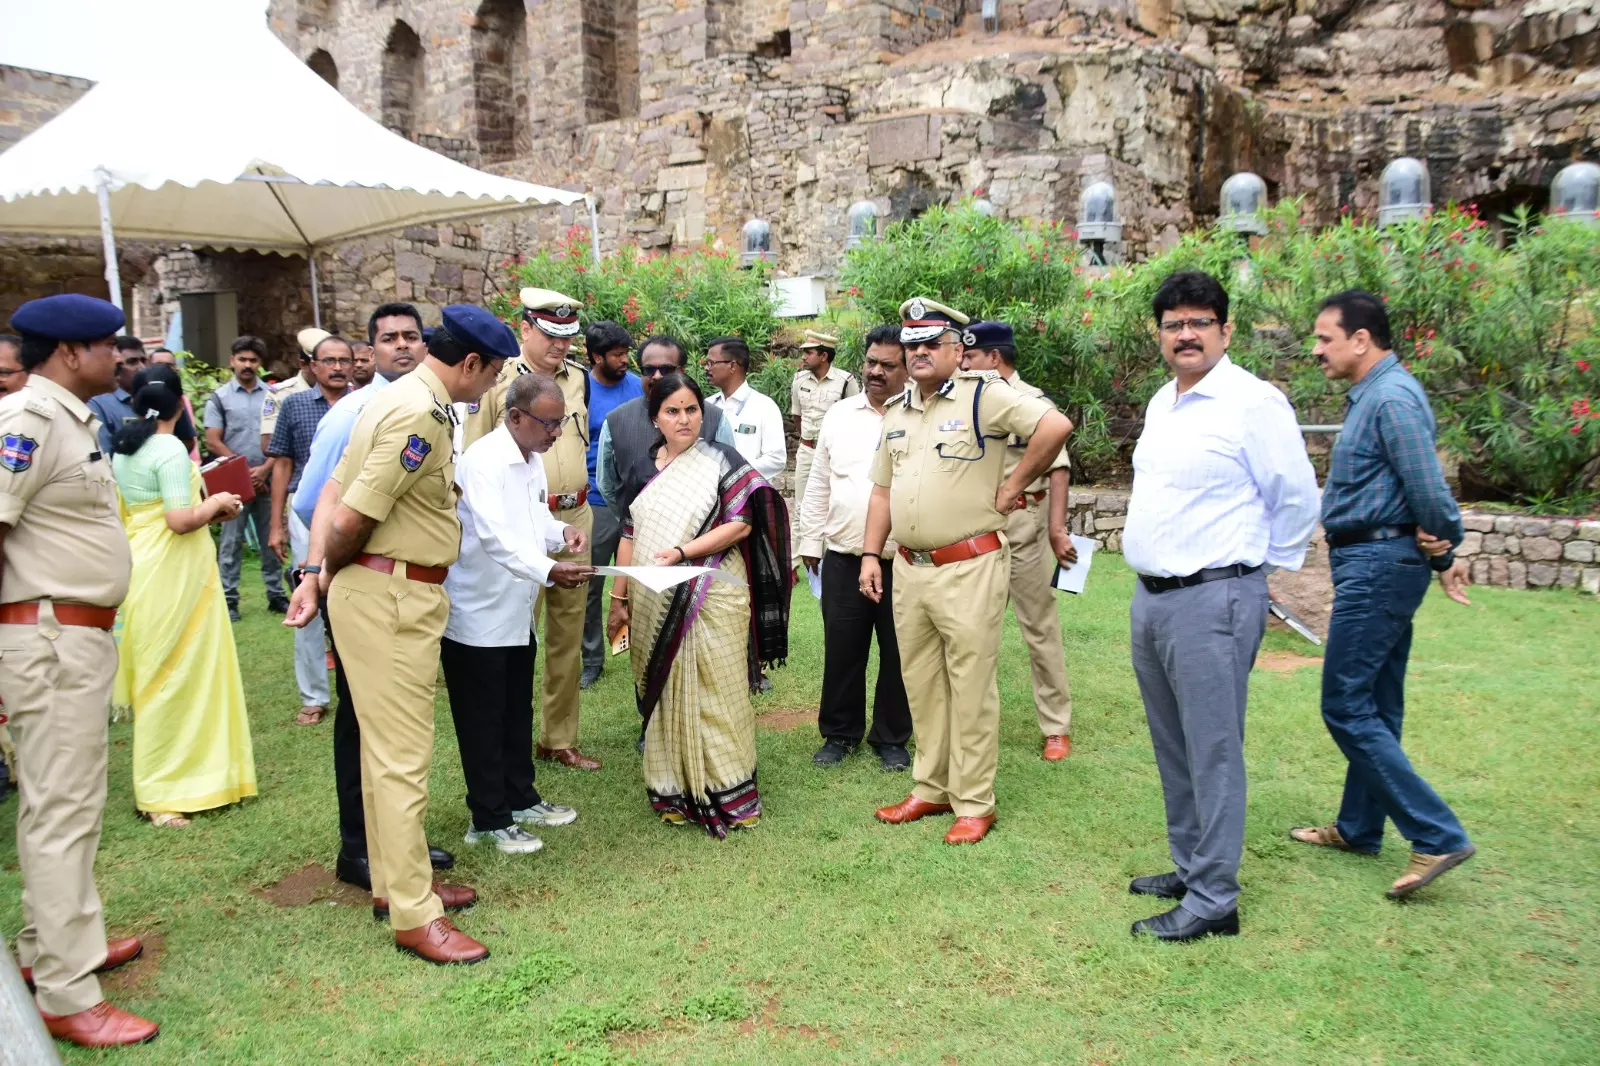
(546, 814)
(513, 841)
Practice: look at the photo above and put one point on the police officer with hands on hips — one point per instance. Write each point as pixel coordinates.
(940, 486)
(64, 569)
(394, 533)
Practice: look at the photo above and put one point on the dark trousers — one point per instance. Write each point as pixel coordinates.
(849, 620)
(346, 760)
(491, 700)
(1377, 588)
(602, 552)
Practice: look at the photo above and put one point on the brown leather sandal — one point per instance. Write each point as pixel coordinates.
(1428, 867)
(1323, 836)
(310, 715)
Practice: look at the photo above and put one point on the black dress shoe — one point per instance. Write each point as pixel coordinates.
(1179, 924)
(439, 858)
(233, 613)
(833, 752)
(278, 606)
(353, 871)
(1167, 886)
(590, 675)
(893, 757)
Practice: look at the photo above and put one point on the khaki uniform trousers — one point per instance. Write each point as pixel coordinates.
(563, 642)
(1033, 601)
(802, 473)
(56, 683)
(389, 630)
(947, 621)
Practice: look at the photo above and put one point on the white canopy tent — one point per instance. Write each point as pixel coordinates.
(256, 154)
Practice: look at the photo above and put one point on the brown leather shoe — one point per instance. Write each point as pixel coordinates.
(1057, 748)
(969, 830)
(454, 898)
(909, 810)
(441, 943)
(118, 951)
(571, 757)
(102, 1025)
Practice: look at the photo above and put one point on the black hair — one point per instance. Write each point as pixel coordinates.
(666, 342)
(1358, 310)
(36, 348)
(126, 343)
(392, 310)
(733, 347)
(13, 340)
(602, 337)
(325, 340)
(247, 343)
(668, 385)
(158, 351)
(1008, 352)
(885, 334)
(156, 389)
(1191, 288)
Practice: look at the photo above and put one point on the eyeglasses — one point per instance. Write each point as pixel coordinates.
(931, 346)
(7, 373)
(1174, 326)
(345, 363)
(656, 371)
(720, 362)
(551, 427)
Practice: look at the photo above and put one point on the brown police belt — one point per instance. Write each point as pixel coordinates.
(1030, 497)
(68, 614)
(571, 501)
(431, 575)
(958, 552)
(808, 443)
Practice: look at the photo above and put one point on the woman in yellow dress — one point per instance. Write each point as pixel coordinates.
(177, 669)
(698, 647)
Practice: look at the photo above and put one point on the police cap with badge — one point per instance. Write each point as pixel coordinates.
(813, 339)
(922, 319)
(473, 329)
(985, 335)
(551, 312)
(69, 316)
(308, 339)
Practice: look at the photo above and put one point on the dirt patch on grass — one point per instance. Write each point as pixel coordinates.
(787, 718)
(768, 1021)
(1285, 662)
(313, 883)
(135, 976)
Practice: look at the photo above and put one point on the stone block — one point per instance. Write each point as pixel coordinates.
(1568, 578)
(1103, 522)
(1471, 544)
(1541, 549)
(1517, 574)
(1590, 581)
(910, 139)
(1513, 545)
(1499, 570)
(1578, 551)
(1562, 528)
(1589, 531)
(1505, 524)
(1114, 542)
(1478, 523)
(413, 266)
(1494, 543)
(1534, 527)
(1112, 504)
(670, 179)
(1541, 575)
(1480, 571)
(1086, 499)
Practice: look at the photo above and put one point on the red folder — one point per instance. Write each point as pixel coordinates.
(230, 474)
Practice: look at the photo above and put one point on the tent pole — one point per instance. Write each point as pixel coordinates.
(316, 298)
(108, 238)
(594, 229)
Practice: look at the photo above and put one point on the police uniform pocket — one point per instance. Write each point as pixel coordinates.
(955, 445)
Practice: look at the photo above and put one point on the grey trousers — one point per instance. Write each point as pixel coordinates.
(310, 640)
(1193, 649)
(230, 553)
(602, 552)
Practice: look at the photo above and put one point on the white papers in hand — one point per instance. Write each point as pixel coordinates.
(1072, 578)
(814, 577)
(662, 578)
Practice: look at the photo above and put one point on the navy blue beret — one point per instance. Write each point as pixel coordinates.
(988, 335)
(480, 331)
(70, 316)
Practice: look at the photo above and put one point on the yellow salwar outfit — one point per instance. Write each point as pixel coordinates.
(694, 646)
(178, 669)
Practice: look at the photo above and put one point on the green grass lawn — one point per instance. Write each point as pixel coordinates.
(824, 937)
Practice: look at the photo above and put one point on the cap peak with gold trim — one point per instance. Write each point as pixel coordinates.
(923, 319)
(555, 314)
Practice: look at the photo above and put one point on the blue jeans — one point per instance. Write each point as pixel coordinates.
(1377, 588)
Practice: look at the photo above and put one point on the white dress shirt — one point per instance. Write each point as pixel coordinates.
(833, 516)
(1220, 476)
(507, 533)
(757, 426)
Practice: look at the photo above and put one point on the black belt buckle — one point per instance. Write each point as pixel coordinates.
(1199, 577)
(1369, 534)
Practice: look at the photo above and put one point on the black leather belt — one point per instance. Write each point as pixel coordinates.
(1371, 533)
(1199, 577)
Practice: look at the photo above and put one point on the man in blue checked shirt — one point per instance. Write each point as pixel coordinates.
(1390, 519)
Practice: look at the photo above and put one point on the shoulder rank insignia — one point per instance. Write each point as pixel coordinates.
(947, 388)
(40, 406)
(440, 417)
(16, 452)
(416, 450)
(978, 375)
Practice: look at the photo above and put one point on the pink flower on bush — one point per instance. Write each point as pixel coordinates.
(1583, 366)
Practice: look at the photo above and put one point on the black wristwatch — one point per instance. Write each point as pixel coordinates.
(298, 574)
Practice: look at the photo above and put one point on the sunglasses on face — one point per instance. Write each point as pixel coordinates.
(656, 371)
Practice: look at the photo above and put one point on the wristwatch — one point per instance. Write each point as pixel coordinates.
(298, 574)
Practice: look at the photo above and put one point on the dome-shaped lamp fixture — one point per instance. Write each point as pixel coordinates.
(1575, 194)
(1099, 225)
(756, 243)
(863, 224)
(1244, 197)
(984, 207)
(1404, 191)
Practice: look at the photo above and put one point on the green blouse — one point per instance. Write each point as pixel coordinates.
(160, 470)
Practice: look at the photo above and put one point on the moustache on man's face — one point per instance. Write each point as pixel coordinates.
(1189, 348)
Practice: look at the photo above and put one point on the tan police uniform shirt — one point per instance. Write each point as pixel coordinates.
(810, 398)
(1016, 445)
(399, 471)
(57, 494)
(276, 395)
(941, 476)
(566, 464)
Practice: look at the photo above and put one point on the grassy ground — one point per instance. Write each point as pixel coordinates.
(823, 937)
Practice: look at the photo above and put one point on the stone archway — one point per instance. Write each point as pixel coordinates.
(326, 69)
(404, 91)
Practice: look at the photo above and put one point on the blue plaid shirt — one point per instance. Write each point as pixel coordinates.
(1385, 469)
(297, 424)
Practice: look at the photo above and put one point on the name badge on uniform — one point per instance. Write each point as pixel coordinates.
(893, 433)
(952, 426)
(16, 452)
(745, 428)
(415, 451)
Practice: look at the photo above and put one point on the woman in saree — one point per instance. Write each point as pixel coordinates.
(177, 669)
(698, 648)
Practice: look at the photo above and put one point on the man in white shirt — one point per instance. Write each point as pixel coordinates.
(833, 525)
(757, 423)
(1222, 493)
(488, 651)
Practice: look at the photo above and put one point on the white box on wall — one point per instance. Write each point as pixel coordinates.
(803, 297)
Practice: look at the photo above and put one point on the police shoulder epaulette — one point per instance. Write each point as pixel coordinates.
(980, 375)
(39, 406)
(895, 401)
(575, 365)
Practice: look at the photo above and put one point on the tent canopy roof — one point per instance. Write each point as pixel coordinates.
(260, 153)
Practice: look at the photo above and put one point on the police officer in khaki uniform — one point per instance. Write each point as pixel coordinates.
(549, 322)
(66, 566)
(939, 484)
(393, 535)
(1039, 540)
(817, 386)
